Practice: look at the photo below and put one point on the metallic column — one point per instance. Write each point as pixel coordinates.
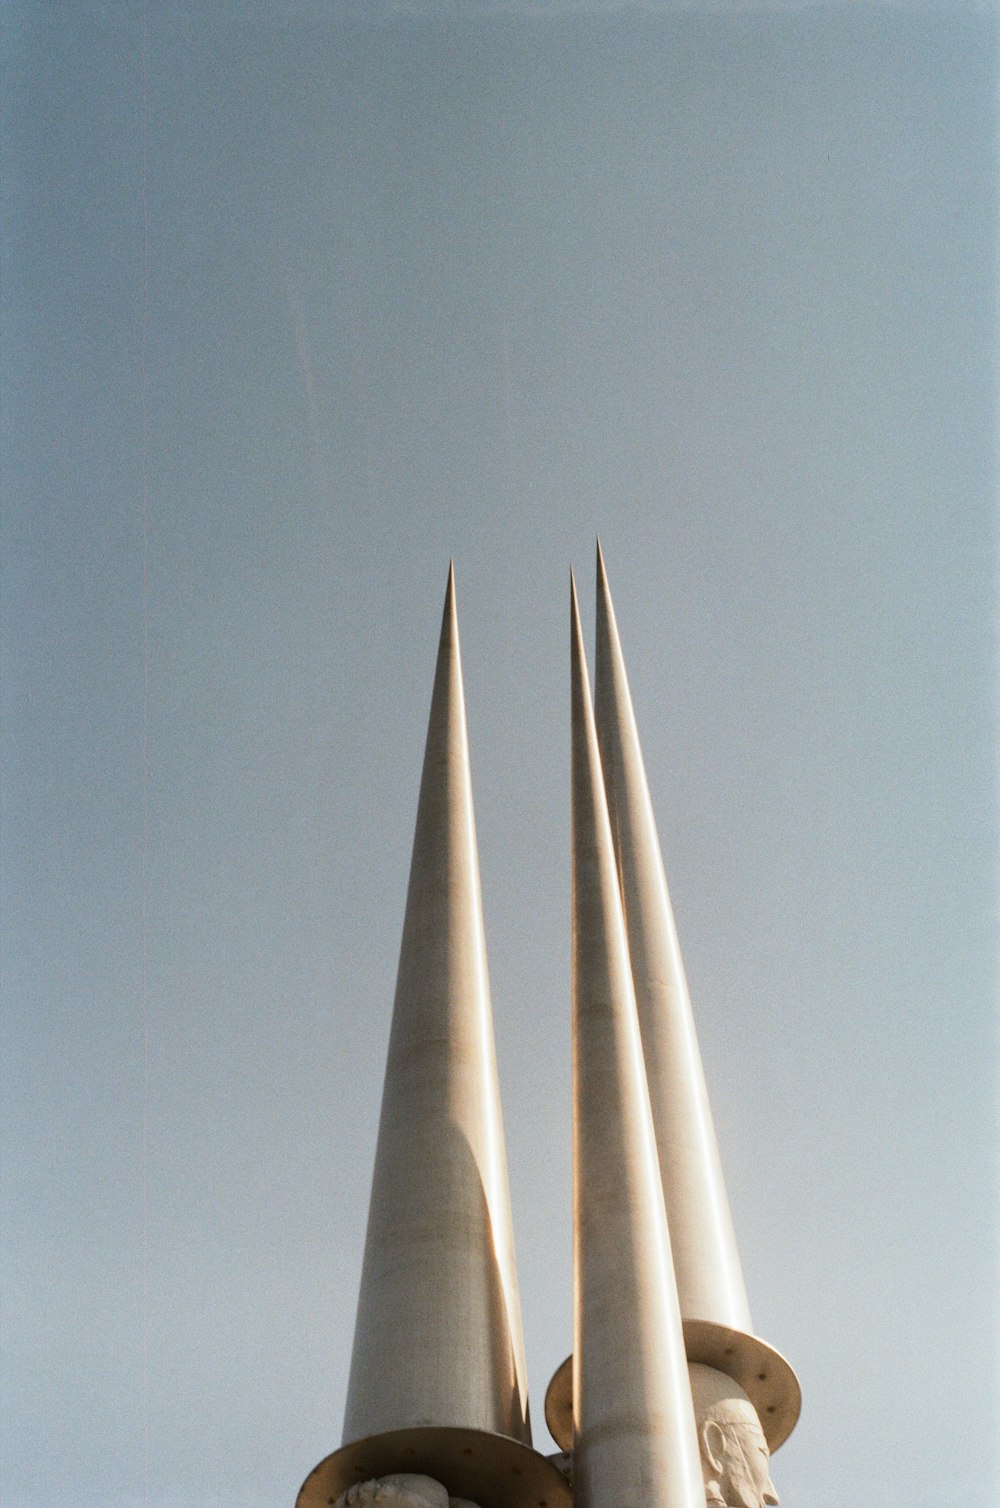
(437, 1382)
(710, 1285)
(634, 1431)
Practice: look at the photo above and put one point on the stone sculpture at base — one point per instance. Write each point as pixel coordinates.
(734, 1454)
(400, 1490)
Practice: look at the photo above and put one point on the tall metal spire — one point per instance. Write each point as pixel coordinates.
(634, 1431)
(438, 1382)
(710, 1282)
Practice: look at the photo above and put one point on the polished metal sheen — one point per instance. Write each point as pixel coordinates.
(634, 1431)
(710, 1286)
(438, 1380)
(670, 1400)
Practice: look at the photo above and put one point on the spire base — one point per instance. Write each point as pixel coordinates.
(490, 1470)
(762, 1372)
(559, 1405)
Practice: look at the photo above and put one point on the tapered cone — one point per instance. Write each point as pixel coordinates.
(634, 1436)
(437, 1382)
(710, 1284)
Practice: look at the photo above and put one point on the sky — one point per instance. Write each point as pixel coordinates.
(299, 301)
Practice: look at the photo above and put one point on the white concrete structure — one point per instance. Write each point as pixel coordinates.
(634, 1440)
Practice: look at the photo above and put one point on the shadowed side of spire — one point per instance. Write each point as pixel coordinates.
(706, 1260)
(634, 1431)
(438, 1338)
(710, 1284)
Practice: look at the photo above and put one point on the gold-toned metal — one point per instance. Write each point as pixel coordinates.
(761, 1371)
(706, 1259)
(490, 1470)
(438, 1380)
(438, 1370)
(634, 1428)
(709, 1275)
(559, 1405)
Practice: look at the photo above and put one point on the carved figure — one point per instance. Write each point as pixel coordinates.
(401, 1490)
(734, 1454)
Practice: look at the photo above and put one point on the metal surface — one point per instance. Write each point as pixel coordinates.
(709, 1275)
(559, 1405)
(438, 1335)
(635, 1439)
(490, 1470)
(706, 1261)
(761, 1371)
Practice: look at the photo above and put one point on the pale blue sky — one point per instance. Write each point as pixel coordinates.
(481, 281)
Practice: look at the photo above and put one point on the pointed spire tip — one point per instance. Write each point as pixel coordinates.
(602, 574)
(574, 606)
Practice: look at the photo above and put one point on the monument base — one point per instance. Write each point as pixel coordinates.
(761, 1371)
(493, 1471)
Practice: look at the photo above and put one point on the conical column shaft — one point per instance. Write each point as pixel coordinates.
(438, 1336)
(706, 1260)
(634, 1432)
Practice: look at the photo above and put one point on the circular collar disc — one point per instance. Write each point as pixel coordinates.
(491, 1470)
(761, 1371)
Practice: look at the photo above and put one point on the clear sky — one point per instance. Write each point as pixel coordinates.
(482, 280)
